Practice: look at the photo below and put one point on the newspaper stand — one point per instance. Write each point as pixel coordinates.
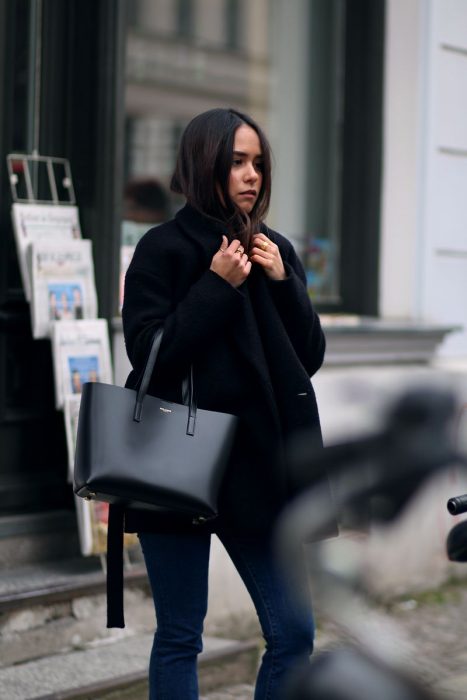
(33, 176)
(46, 180)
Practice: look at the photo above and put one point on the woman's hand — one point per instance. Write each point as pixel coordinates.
(231, 263)
(267, 254)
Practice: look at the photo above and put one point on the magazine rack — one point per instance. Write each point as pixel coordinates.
(36, 179)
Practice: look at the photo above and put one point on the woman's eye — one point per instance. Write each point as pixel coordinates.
(259, 165)
(236, 161)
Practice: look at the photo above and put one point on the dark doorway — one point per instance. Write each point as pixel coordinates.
(60, 76)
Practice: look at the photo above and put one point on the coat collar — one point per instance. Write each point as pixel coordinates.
(204, 229)
(199, 226)
(207, 233)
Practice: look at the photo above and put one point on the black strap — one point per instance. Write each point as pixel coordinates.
(148, 369)
(115, 616)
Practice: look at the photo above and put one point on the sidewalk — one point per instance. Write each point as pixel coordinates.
(436, 623)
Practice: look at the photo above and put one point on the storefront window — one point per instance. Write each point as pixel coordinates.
(326, 120)
(191, 55)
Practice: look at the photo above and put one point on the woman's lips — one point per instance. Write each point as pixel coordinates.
(249, 195)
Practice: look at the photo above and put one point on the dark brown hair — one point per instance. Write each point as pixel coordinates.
(203, 168)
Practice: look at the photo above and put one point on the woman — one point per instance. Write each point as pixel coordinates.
(231, 296)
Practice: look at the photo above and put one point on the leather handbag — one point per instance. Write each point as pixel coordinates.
(141, 451)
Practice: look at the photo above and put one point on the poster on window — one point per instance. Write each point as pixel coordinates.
(81, 353)
(62, 282)
(319, 267)
(41, 222)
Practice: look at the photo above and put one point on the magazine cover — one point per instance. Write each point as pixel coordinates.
(62, 283)
(81, 353)
(34, 222)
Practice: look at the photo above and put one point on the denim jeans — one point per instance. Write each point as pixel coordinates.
(177, 566)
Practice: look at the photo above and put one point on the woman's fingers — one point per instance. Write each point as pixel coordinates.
(235, 248)
(267, 254)
(263, 242)
(231, 262)
(263, 248)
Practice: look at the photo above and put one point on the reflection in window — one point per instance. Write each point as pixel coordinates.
(185, 18)
(151, 146)
(145, 204)
(186, 56)
(325, 148)
(169, 78)
(133, 13)
(232, 24)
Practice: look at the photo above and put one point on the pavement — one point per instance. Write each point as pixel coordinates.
(433, 624)
(91, 672)
(426, 634)
(235, 692)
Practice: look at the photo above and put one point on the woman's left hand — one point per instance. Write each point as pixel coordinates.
(267, 254)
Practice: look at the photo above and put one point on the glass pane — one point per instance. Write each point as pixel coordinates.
(187, 56)
(325, 149)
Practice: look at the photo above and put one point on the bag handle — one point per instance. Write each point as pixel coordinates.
(188, 396)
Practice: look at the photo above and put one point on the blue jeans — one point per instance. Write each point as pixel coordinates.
(177, 567)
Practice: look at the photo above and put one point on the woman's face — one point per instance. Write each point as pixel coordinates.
(246, 174)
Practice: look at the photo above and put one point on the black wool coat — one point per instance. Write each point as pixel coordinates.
(253, 351)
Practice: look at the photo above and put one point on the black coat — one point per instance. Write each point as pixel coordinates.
(253, 351)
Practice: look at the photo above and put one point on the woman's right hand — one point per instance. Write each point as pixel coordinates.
(231, 262)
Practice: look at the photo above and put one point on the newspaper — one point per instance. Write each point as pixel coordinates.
(93, 518)
(71, 415)
(34, 222)
(131, 232)
(81, 353)
(62, 282)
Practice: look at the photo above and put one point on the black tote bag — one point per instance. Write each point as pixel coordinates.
(137, 450)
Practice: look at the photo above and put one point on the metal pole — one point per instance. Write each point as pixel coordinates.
(34, 82)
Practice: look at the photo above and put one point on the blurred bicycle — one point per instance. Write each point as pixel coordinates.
(378, 476)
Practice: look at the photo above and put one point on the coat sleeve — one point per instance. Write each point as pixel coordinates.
(190, 319)
(300, 320)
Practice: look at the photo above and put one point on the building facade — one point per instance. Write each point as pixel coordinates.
(364, 102)
(424, 216)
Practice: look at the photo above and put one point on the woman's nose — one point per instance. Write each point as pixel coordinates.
(251, 173)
